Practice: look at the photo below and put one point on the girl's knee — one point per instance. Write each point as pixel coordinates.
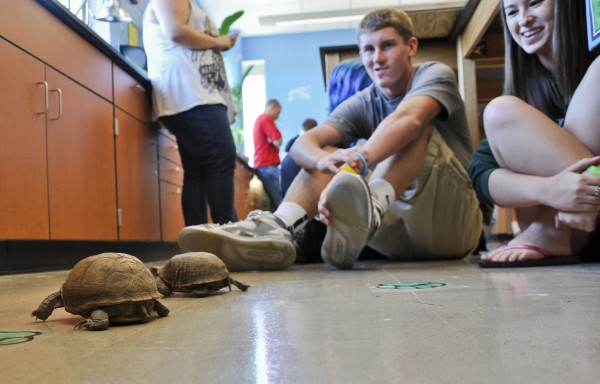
(499, 112)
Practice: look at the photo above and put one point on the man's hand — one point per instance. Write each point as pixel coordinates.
(322, 207)
(330, 163)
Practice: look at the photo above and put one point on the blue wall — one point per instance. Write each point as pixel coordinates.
(293, 73)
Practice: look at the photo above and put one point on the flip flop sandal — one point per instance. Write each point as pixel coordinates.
(548, 260)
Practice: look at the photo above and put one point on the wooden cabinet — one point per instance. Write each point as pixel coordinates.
(57, 158)
(137, 179)
(28, 24)
(81, 162)
(171, 181)
(137, 161)
(24, 191)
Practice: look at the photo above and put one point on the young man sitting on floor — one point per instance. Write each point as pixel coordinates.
(404, 192)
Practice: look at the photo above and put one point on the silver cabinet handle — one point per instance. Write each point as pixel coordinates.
(45, 84)
(60, 103)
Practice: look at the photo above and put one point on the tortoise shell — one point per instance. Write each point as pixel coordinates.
(194, 272)
(106, 280)
(193, 268)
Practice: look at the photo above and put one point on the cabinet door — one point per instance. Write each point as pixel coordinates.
(130, 95)
(137, 179)
(24, 190)
(81, 162)
(171, 213)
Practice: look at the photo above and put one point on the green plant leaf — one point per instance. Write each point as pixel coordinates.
(228, 21)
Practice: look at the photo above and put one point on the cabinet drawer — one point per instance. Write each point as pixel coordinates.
(171, 172)
(171, 213)
(167, 146)
(130, 95)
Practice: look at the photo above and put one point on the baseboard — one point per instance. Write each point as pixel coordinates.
(45, 255)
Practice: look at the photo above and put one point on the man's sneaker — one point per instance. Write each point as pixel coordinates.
(352, 220)
(261, 242)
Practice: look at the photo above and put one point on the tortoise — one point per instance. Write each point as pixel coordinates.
(109, 286)
(199, 273)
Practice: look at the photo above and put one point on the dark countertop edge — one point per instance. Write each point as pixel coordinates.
(91, 37)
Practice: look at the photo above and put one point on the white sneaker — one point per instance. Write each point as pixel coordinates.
(352, 220)
(261, 242)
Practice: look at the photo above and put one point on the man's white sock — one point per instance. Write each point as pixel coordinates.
(383, 192)
(292, 214)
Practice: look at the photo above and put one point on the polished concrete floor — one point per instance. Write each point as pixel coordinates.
(315, 324)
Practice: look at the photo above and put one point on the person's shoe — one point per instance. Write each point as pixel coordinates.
(353, 218)
(261, 242)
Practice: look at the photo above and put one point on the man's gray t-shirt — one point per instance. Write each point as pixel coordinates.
(358, 116)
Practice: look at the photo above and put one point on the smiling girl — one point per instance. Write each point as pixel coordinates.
(543, 136)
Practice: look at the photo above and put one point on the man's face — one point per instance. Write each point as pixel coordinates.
(387, 59)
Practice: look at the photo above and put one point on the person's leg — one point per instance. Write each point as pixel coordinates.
(289, 170)
(437, 217)
(526, 141)
(208, 159)
(270, 179)
(193, 194)
(355, 214)
(193, 198)
(220, 159)
(263, 241)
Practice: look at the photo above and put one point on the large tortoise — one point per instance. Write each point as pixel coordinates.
(199, 273)
(109, 286)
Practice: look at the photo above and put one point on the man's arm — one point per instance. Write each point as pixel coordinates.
(401, 127)
(276, 143)
(310, 147)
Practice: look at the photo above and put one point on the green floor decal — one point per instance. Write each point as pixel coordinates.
(410, 285)
(9, 338)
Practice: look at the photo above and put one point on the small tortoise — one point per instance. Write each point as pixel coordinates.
(199, 273)
(113, 286)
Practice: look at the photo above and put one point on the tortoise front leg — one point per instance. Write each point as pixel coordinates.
(51, 302)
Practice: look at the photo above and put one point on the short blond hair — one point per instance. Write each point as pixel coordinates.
(387, 17)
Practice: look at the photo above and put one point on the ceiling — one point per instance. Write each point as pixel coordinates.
(260, 16)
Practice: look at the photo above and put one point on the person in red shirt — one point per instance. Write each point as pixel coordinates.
(267, 141)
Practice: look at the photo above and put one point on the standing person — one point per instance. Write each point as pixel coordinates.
(544, 135)
(192, 99)
(267, 141)
(307, 125)
(289, 168)
(405, 192)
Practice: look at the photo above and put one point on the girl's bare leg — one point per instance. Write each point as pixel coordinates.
(527, 142)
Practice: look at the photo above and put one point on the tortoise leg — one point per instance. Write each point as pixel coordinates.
(98, 321)
(48, 305)
(238, 284)
(160, 308)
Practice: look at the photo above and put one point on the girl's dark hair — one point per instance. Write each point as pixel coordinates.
(528, 79)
